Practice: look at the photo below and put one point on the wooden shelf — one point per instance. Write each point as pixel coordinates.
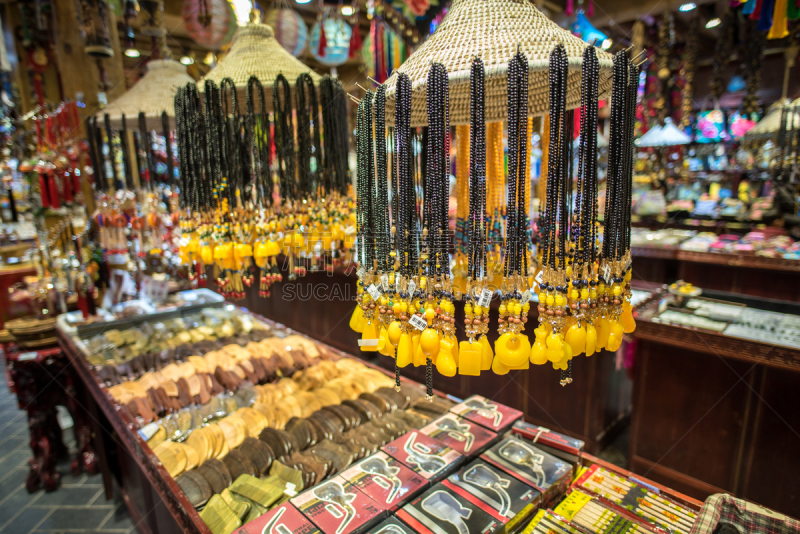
(739, 260)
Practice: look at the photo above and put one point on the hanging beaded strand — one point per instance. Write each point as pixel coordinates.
(512, 348)
(474, 357)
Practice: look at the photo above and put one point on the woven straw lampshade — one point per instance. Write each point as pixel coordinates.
(256, 52)
(153, 94)
(492, 30)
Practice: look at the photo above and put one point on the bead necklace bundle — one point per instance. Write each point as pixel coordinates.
(512, 348)
(474, 355)
(406, 288)
(232, 218)
(615, 265)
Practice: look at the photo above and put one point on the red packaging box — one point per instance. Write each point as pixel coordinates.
(533, 466)
(492, 415)
(424, 455)
(385, 480)
(462, 435)
(442, 510)
(392, 526)
(338, 507)
(283, 519)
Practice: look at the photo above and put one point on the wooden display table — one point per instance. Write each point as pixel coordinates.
(715, 414)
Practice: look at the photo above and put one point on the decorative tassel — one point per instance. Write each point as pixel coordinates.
(43, 190)
(55, 201)
(590, 8)
(323, 41)
(765, 19)
(756, 14)
(779, 28)
(570, 8)
(355, 42)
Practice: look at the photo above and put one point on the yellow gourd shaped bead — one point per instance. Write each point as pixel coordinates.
(591, 339)
(404, 350)
(429, 341)
(628, 322)
(487, 355)
(394, 331)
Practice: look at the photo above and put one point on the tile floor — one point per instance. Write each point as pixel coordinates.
(77, 507)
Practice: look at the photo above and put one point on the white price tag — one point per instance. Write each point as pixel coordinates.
(154, 290)
(291, 489)
(360, 273)
(418, 322)
(485, 298)
(385, 282)
(397, 278)
(526, 297)
(539, 277)
(411, 288)
(367, 342)
(373, 292)
(350, 230)
(607, 272)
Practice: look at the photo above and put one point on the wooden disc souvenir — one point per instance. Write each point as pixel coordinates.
(196, 488)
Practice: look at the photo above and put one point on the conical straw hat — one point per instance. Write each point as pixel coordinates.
(256, 52)
(492, 30)
(153, 94)
(771, 123)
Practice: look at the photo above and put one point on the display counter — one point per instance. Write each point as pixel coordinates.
(716, 387)
(441, 457)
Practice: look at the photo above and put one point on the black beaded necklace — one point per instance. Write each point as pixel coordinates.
(515, 262)
(256, 140)
(284, 138)
(382, 186)
(406, 200)
(170, 178)
(476, 224)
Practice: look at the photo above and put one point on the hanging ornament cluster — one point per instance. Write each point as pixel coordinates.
(134, 225)
(689, 67)
(407, 292)
(257, 185)
(384, 50)
(330, 38)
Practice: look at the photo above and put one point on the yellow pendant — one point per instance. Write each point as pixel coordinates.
(420, 358)
(510, 350)
(576, 337)
(487, 355)
(404, 350)
(615, 336)
(429, 341)
(539, 352)
(591, 339)
(628, 322)
(394, 333)
(370, 336)
(445, 363)
(470, 357)
(357, 320)
(498, 368)
(383, 339)
(603, 330)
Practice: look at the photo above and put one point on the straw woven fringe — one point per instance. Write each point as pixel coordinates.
(770, 125)
(492, 30)
(256, 52)
(153, 94)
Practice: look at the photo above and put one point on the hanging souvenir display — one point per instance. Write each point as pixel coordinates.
(210, 23)
(689, 68)
(233, 218)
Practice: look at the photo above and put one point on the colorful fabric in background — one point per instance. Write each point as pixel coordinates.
(779, 28)
(384, 51)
